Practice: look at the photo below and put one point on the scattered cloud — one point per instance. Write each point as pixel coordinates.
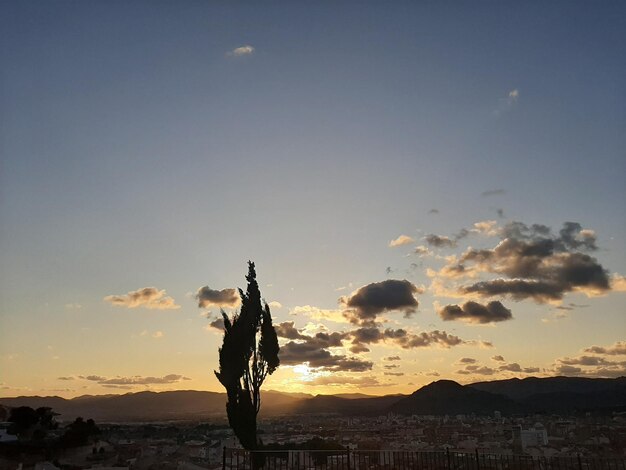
(275, 305)
(616, 349)
(208, 297)
(65, 378)
(433, 211)
(158, 334)
(440, 241)
(421, 250)
(367, 302)
(400, 241)
(497, 358)
(473, 312)
(148, 297)
(391, 358)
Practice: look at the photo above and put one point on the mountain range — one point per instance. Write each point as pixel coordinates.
(512, 396)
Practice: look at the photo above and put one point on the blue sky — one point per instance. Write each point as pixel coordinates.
(139, 149)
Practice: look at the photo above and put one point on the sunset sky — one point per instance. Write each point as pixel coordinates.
(428, 189)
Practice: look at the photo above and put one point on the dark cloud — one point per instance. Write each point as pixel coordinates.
(65, 378)
(391, 366)
(424, 339)
(498, 358)
(473, 312)
(535, 264)
(288, 331)
(566, 370)
(493, 192)
(512, 367)
(440, 241)
(294, 353)
(397, 374)
(208, 297)
(500, 213)
(433, 211)
(476, 370)
(369, 301)
(586, 361)
(147, 297)
(218, 324)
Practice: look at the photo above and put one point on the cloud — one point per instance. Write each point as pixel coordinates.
(423, 339)
(242, 51)
(367, 302)
(400, 241)
(433, 211)
(391, 358)
(564, 369)
(65, 378)
(473, 312)
(391, 366)
(532, 264)
(476, 370)
(135, 380)
(319, 313)
(287, 330)
(158, 334)
(148, 297)
(486, 227)
(497, 358)
(421, 250)
(467, 360)
(294, 353)
(208, 297)
(397, 374)
(514, 94)
(493, 192)
(440, 241)
(274, 304)
(616, 349)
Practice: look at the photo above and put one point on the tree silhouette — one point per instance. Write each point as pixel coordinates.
(248, 354)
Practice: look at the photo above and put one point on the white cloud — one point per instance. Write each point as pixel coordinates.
(242, 50)
(275, 304)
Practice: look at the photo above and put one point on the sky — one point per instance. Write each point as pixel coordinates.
(428, 189)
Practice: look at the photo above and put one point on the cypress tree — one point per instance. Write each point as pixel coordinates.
(249, 353)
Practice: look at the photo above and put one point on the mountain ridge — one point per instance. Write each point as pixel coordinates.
(509, 396)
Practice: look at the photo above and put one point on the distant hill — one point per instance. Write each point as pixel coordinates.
(448, 397)
(514, 396)
(561, 394)
(150, 406)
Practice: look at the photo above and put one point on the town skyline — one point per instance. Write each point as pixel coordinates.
(428, 191)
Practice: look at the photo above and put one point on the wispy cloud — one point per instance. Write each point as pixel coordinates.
(241, 51)
(134, 380)
(400, 241)
(148, 297)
